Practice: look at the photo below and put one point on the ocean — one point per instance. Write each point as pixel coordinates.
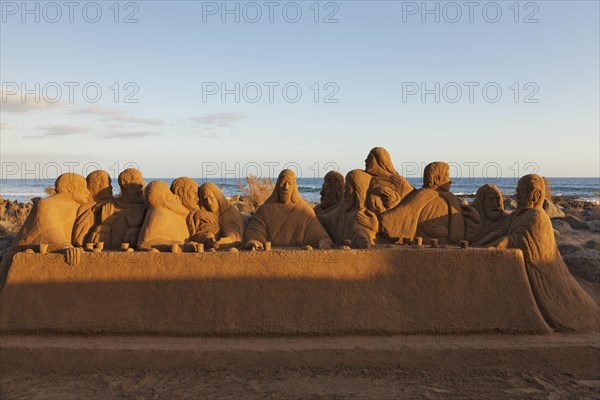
(587, 189)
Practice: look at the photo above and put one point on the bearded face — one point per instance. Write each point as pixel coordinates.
(285, 190)
(492, 207)
(80, 193)
(190, 198)
(210, 201)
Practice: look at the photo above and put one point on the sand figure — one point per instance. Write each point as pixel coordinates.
(285, 219)
(485, 218)
(562, 302)
(165, 221)
(388, 188)
(52, 219)
(332, 191)
(431, 212)
(123, 217)
(350, 219)
(217, 223)
(187, 190)
(89, 215)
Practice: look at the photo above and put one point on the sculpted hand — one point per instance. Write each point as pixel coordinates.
(253, 245)
(368, 221)
(325, 244)
(73, 256)
(136, 217)
(107, 210)
(436, 231)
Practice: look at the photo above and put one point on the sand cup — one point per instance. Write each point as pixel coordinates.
(175, 248)
(434, 243)
(89, 246)
(100, 246)
(199, 247)
(43, 248)
(418, 241)
(464, 244)
(124, 246)
(267, 246)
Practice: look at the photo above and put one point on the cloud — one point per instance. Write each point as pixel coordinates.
(59, 131)
(13, 101)
(112, 116)
(210, 125)
(219, 119)
(129, 135)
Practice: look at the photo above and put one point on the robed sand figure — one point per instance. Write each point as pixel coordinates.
(286, 219)
(350, 220)
(89, 215)
(166, 219)
(431, 212)
(331, 193)
(485, 218)
(217, 224)
(562, 302)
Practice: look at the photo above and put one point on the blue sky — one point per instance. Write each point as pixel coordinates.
(370, 58)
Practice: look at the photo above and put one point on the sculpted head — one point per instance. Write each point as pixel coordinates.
(379, 163)
(488, 201)
(187, 190)
(437, 176)
(355, 189)
(131, 183)
(332, 189)
(530, 192)
(73, 186)
(158, 194)
(286, 184)
(209, 197)
(99, 185)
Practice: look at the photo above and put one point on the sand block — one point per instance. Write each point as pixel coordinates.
(390, 291)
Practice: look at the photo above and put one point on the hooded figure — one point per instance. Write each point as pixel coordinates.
(217, 223)
(350, 219)
(285, 219)
(562, 302)
(89, 215)
(431, 212)
(165, 221)
(387, 188)
(485, 217)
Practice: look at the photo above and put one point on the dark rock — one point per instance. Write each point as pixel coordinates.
(567, 248)
(585, 264)
(592, 244)
(576, 223)
(562, 226)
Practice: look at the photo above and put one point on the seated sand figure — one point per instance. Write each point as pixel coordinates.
(388, 188)
(286, 219)
(165, 223)
(562, 302)
(52, 219)
(123, 217)
(431, 212)
(485, 217)
(350, 220)
(89, 215)
(332, 191)
(187, 190)
(217, 224)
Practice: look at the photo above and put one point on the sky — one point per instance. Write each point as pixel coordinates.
(224, 89)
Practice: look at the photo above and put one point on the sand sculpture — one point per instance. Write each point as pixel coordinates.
(562, 302)
(485, 217)
(387, 188)
(375, 203)
(286, 219)
(350, 220)
(89, 215)
(332, 191)
(123, 217)
(166, 219)
(431, 212)
(217, 224)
